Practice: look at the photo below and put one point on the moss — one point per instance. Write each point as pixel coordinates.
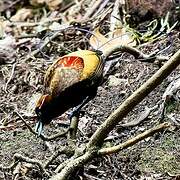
(172, 106)
(161, 159)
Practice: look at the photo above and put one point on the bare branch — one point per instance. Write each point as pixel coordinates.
(32, 161)
(134, 140)
(135, 52)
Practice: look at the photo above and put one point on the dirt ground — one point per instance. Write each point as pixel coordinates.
(157, 157)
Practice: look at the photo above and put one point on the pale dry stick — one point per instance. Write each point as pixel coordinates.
(134, 140)
(10, 78)
(135, 52)
(32, 24)
(170, 92)
(97, 139)
(115, 19)
(19, 157)
(91, 177)
(102, 6)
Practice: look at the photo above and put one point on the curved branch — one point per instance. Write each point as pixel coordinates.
(135, 52)
(134, 140)
(20, 157)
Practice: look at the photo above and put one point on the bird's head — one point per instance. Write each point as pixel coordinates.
(41, 111)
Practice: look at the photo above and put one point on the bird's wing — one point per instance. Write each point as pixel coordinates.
(63, 73)
(93, 64)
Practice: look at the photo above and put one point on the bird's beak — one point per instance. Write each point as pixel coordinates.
(39, 128)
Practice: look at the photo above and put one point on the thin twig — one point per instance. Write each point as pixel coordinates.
(134, 140)
(136, 53)
(44, 138)
(10, 78)
(47, 40)
(20, 157)
(32, 24)
(94, 5)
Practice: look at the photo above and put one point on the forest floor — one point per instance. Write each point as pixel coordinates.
(157, 157)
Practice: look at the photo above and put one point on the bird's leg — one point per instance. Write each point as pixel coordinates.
(39, 128)
(77, 109)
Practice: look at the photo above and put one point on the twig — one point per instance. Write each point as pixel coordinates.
(134, 140)
(44, 138)
(32, 161)
(91, 177)
(101, 7)
(47, 40)
(10, 78)
(136, 53)
(115, 19)
(170, 93)
(32, 24)
(53, 137)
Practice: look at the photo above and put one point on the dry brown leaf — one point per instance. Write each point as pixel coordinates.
(22, 14)
(113, 39)
(97, 39)
(7, 50)
(53, 4)
(121, 36)
(37, 2)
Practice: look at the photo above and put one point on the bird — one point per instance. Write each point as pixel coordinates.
(70, 82)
